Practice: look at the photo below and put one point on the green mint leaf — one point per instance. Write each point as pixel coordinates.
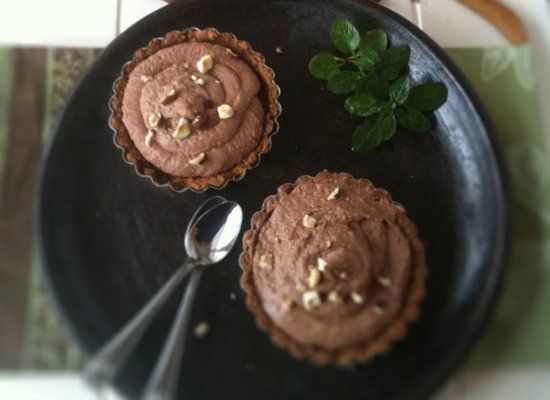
(392, 61)
(374, 85)
(345, 36)
(399, 90)
(367, 59)
(413, 120)
(374, 40)
(343, 82)
(323, 66)
(396, 56)
(362, 105)
(377, 128)
(388, 73)
(427, 97)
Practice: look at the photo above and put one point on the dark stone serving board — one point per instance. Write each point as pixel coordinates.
(109, 238)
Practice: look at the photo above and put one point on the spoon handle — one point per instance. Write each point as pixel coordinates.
(163, 382)
(102, 368)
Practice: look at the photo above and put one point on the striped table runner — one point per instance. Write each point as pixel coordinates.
(33, 86)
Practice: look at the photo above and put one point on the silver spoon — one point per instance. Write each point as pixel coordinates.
(102, 368)
(222, 224)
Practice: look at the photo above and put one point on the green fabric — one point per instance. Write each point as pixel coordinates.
(47, 345)
(6, 67)
(63, 68)
(504, 79)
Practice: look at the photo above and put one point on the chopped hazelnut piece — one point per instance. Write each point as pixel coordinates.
(201, 329)
(193, 78)
(311, 299)
(334, 297)
(314, 277)
(321, 264)
(183, 130)
(377, 309)
(149, 138)
(328, 244)
(169, 97)
(357, 298)
(266, 261)
(308, 221)
(145, 78)
(199, 82)
(287, 304)
(231, 52)
(225, 111)
(383, 281)
(197, 160)
(300, 287)
(343, 275)
(154, 119)
(205, 64)
(333, 194)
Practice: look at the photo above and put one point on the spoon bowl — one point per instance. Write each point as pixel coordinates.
(214, 233)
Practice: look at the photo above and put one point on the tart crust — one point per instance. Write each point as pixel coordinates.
(353, 354)
(268, 95)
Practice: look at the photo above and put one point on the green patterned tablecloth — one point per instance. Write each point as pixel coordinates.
(33, 86)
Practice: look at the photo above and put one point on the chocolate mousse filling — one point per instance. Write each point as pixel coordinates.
(170, 86)
(195, 109)
(334, 268)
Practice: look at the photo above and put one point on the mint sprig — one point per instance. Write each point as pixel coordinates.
(371, 72)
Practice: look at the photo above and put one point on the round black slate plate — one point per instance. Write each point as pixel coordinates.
(109, 238)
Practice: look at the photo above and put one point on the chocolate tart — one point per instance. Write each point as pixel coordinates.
(195, 109)
(333, 269)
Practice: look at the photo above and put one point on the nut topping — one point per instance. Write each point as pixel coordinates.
(333, 194)
(266, 261)
(145, 78)
(334, 297)
(205, 64)
(321, 264)
(169, 97)
(383, 281)
(182, 131)
(201, 329)
(199, 82)
(311, 300)
(225, 111)
(197, 160)
(149, 137)
(300, 287)
(314, 277)
(287, 305)
(154, 119)
(231, 52)
(377, 309)
(357, 298)
(308, 221)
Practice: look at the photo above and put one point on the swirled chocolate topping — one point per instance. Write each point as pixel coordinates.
(332, 260)
(192, 109)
